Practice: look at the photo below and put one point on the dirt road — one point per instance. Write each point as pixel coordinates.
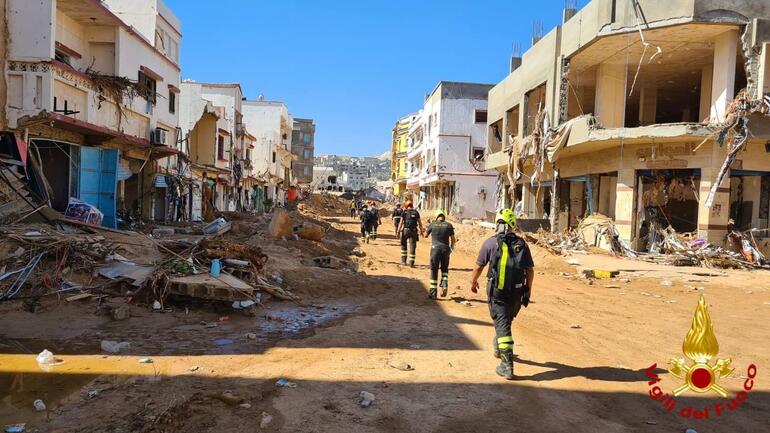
(581, 349)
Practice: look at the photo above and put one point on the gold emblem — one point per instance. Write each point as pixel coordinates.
(700, 346)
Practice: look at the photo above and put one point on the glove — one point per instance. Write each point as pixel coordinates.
(525, 298)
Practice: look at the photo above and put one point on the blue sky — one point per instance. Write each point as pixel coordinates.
(354, 66)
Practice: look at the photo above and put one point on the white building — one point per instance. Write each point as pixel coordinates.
(271, 125)
(321, 176)
(355, 178)
(211, 122)
(90, 81)
(445, 152)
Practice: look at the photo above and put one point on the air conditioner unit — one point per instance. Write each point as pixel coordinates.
(158, 136)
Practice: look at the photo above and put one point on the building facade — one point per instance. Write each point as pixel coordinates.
(215, 138)
(271, 124)
(398, 151)
(621, 110)
(94, 94)
(302, 146)
(445, 152)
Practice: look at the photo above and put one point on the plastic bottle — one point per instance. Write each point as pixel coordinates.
(216, 267)
(39, 405)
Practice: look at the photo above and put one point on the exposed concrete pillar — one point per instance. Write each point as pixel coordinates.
(648, 105)
(712, 223)
(706, 78)
(624, 202)
(723, 79)
(610, 94)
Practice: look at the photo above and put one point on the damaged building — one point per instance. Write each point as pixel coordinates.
(445, 149)
(652, 113)
(92, 96)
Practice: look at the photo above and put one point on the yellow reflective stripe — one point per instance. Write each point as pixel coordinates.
(504, 346)
(506, 339)
(434, 281)
(503, 263)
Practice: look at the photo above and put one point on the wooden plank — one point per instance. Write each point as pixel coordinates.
(78, 297)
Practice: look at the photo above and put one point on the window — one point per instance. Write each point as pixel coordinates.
(435, 119)
(307, 138)
(306, 154)
(62, 57)
(248, 154)
(147, 87)
(478, 153)
(481, 116)
(221, 148)
(171, 102)
(306, 170)
(273, 156)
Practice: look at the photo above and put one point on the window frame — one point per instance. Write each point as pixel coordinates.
(478, 112)
(171, 102)
(148, 87)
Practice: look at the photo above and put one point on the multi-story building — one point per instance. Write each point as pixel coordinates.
(355, 178)
(398, 150)
(445, 151)
(620, 110)
(271, 124)
(211, 122)
(302, 146)
(93, 90)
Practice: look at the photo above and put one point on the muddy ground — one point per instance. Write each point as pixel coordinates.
(582, 348)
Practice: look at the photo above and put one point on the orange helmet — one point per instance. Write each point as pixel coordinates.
(408, 203)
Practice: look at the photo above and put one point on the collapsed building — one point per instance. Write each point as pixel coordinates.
(654, 114)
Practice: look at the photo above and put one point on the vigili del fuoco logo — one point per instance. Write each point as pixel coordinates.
(699, 374)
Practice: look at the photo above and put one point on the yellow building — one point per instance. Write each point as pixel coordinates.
(399, 146)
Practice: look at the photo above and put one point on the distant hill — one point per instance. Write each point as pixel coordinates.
(385, 156)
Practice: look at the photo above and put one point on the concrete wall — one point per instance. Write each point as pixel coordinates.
(31, 26)
(139, 14)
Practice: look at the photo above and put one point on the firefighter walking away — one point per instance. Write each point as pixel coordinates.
(509, 284)
(367, 218)
(397, 213)
(408, 233)
(442, 242)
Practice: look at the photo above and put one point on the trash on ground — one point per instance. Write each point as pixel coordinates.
(223, 342)
(265, 420)
(115, 346)
(39, 405)
(575, 326)
(15, 428)
(666, 283)
(145, 361)
(403, 366)
(285, 383)
(366, 399)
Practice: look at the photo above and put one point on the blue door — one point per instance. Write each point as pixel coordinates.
(98, 180)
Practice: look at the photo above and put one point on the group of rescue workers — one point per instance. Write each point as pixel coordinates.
(509, 276)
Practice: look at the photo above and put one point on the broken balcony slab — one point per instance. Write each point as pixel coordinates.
(132, 271)
(225, 287)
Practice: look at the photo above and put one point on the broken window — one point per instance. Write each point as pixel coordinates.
(147, 87)
(480, 116)
(535, 102)
(63, 57)
(512, 121)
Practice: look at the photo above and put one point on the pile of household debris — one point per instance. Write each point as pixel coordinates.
(664, 245)
(83, 261)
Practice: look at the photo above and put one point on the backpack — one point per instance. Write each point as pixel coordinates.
(364, 216)
(372, 216)
(504, 267)
(410, 217)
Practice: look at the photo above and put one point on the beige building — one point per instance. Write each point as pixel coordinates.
(94, 93)
(619, 111)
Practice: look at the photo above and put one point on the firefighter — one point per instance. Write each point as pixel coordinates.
(407, 232)
(353, 208)
(442, 242)
(366, 223)
(376, 218)
(397, 213)
(509, 284)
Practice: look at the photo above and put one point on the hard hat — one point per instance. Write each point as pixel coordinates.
(506, 216)
(440, 212)
(408, 203)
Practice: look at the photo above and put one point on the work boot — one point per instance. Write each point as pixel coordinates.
(505, 369)
(432, 294)
(444, 287)
(496, 350)
(411, 265)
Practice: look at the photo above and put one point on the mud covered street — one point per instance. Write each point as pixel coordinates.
(581, 353)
